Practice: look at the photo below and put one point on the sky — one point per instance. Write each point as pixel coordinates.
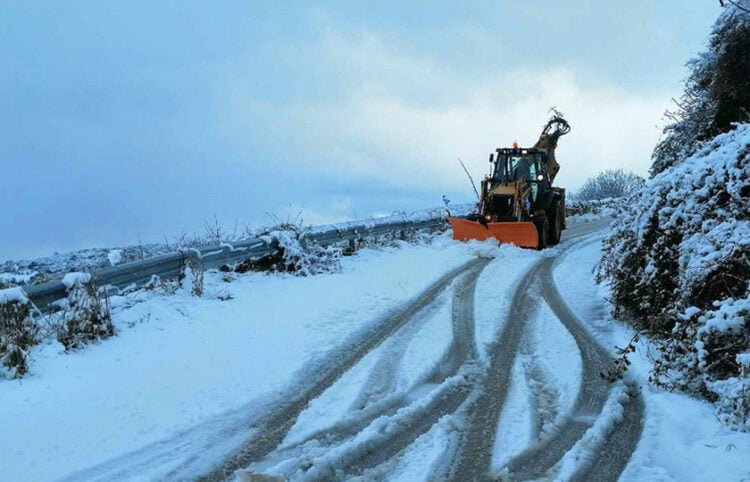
(134, 121)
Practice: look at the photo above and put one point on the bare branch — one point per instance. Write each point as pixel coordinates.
(744, 9)
(470, 179)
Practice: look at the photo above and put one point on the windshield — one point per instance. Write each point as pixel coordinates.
(514, 167)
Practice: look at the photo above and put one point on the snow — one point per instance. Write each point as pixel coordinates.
(140, 387)
(333, 405)
(72, 279)
(727, 316)
(13, 295)
(18, 278)
(682, 438)
(494, 288)
(185, 377)
(385, 372)
(556, 351)
(418, 461)
(683, 245)
(514, 430)
(114, 256)
(584, 451)
(548, 369)
(425, 344)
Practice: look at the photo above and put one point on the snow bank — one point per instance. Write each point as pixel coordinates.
(13, 295)
(677, 262)
(72, 279)
(114, 256)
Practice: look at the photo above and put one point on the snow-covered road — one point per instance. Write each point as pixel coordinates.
(437, 361)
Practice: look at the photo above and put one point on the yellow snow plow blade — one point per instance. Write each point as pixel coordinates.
(522, 233)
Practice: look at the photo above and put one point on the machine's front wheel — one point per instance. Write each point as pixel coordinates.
(542, 228)
(556, 223)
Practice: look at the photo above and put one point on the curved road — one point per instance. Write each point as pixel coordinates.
(385, 419)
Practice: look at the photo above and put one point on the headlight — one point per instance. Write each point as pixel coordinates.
(540, 178)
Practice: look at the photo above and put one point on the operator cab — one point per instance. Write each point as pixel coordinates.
(529, 165)
(512, 165)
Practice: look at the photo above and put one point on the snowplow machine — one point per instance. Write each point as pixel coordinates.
(517, 203)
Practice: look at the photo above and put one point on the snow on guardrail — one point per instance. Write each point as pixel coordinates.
(171, 265)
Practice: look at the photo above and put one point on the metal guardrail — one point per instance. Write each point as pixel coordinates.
(168, 266)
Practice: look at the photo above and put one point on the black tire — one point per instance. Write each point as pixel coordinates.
(556, 223)
(542, 229)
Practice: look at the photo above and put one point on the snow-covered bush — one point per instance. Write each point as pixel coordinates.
(678, 264)
(191, 278)
(305, 258)
(296, 255)
(597, 207)
(86, 316)
(612, 183)
(18, 332)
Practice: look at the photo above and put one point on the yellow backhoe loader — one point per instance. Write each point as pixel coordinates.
(517, 203)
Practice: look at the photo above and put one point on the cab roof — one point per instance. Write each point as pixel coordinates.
(519, 151)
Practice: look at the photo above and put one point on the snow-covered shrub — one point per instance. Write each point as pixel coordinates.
(86, 316)
(18, 332)
(678, 264)
(612, 183)
(734, 404)
(296, 254)
(191, 279)
(304, 258)
(597, 207)
(620, 362)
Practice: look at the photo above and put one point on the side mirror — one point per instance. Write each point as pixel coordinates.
(490, 157)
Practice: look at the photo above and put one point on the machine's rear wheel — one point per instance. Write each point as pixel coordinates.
(556, 223)
(542, 228)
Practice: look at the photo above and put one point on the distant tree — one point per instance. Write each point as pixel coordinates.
(609, 184)
(717, 91)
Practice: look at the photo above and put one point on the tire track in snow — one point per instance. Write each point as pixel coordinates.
(276, 425)
(462, 346)
(381, 382)
(473, 457)
(194, 453)
(458, 361)
(545, 397)
(402, 420)
(197, 449)
(612, 458)
(539, 458)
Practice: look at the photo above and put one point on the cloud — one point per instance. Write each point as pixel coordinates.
(341, 116)
(382, 126)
